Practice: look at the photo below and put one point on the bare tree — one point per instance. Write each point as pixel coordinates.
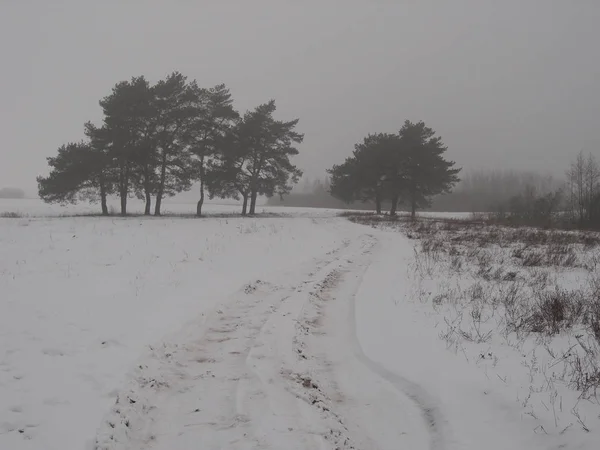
(577, 185)
(592, 178)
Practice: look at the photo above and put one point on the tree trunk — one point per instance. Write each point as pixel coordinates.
(254, 183)
(394, 205)
(124, 187)
(254, 194)
(123, 195)
(102, 187)
(245, 205)
(148, 203)
(161, 186)
(378, 202)
(103, 200)
(158, 203)
(199, 206)
(147, 191)
(201, 201)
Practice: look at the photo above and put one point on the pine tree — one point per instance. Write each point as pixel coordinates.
(370, 174)
(256, 158)
(79, 171)
(174, 101)
(423, 168)
(214, 118)
(127, 111)
(407, 167)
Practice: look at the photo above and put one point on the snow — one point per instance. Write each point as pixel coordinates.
(301, 331)
(37, 208)
(469, 414)
(495, 394)
(172, 206)
(82, 298)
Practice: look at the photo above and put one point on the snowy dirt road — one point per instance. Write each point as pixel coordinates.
(281, 365)
(324, 350)
(276, 366)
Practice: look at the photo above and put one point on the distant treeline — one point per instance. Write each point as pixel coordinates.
(9, 192)
(478, 191)
(508, 196)
(484, 190)
(574, 205)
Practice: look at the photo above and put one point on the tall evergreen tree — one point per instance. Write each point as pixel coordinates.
(127, 111)
(78, 171)
(174, 101)
(101, 171)
(256, 160)
(214, 118)
(270, 144)
(346, 183)
(228, 175)
(370, 174)
(424, 170)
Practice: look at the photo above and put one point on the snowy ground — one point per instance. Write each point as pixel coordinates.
(299, 332)
(517, 310)
(82, 298)
(171, 206)
(37, 208)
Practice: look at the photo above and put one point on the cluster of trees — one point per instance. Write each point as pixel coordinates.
(407, 168)
(477, 191)
(575, 204)
(158, 140)
(583, 190)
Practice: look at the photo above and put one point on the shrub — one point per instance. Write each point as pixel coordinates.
(556, 310)
(11, 215)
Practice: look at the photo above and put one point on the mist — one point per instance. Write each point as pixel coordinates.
(299, 224)
(506, 84)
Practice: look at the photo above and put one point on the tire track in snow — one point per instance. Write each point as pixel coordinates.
(188, 390)
(247, 378)
(344, 283)
(430, 411)
(299, 406)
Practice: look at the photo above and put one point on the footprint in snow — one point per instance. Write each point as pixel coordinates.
(110, 343)
(54, 401)
(53, 352)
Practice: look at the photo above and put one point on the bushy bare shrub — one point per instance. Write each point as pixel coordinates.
(556, 310)
(593, 312)
(10, 215)
(532, 258)
(553, 256)
(514, 269)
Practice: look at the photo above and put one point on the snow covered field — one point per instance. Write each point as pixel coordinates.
(83, 297)
(305, 331)
(518, 313)
(37, 208)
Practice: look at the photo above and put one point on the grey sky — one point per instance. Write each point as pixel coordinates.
(506, 83)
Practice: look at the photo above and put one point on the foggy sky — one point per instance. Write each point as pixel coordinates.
(506, 83)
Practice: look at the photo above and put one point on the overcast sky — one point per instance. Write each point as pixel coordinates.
(506, 83)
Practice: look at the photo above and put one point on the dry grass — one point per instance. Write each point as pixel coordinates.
(522, 284)
(10, 215)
